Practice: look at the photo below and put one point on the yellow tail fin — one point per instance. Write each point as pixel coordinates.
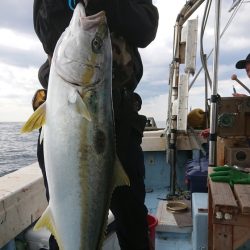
(47, 221)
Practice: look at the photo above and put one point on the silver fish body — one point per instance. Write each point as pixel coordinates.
(79, 148)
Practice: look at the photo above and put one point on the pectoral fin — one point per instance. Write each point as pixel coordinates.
(76, 99)
(121, 178)
(47, 221)
(36, 121)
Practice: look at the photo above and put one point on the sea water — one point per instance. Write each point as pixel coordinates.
(16, 150)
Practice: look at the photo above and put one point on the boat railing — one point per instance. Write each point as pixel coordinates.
(22, 201)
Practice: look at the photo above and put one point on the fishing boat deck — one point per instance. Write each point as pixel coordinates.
(171, 232)
(29, 185)
(174, 238)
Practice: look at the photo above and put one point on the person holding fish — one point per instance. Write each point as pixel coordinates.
(132, 25)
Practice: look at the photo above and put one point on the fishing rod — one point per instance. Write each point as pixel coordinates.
(234, 78)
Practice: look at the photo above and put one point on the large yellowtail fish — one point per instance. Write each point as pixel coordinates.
(79, 146)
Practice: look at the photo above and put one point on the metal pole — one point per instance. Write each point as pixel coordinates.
(187, 10)
(173, 118)
(172, 159)
(214, 96)
(206, 94)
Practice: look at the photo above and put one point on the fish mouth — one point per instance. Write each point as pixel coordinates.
(92, 21)
(79, 17)
(75, 59)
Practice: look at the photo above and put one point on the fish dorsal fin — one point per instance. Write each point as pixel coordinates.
(47, 221)
(36, 120)
(120, 177)
(76, 99)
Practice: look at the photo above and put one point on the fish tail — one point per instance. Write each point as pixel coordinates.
(47, 221)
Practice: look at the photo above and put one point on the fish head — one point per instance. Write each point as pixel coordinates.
(83, 49)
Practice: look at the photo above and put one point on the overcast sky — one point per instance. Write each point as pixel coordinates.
(21, 54)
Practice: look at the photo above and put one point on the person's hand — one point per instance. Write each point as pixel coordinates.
(229, 175)
(72, 4)
(238, 95)
(39, 98)
(205, 133)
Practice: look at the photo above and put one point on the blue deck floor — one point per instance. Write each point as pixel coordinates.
(152, 199)
(173, 241)
(166, 240)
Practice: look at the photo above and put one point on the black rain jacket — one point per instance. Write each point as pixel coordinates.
(134, 20)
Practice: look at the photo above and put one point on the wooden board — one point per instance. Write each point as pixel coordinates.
(187, 141)
(240, 236)
(223, 196)
(237, 220)
(242, 192)
(154, 141)
(220, 151)
(223, 237)
(184, 219)
(228, 234)
(222, 143)
(167, 221)
(210, 219)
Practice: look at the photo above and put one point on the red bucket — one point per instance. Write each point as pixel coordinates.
(152, 223)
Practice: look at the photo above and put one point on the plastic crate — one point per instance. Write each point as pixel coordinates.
(200, 221)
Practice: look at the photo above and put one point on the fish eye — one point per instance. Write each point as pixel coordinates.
(97, 44)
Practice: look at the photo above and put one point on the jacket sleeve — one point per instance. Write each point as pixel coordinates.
(136, 20)
(50, 18)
